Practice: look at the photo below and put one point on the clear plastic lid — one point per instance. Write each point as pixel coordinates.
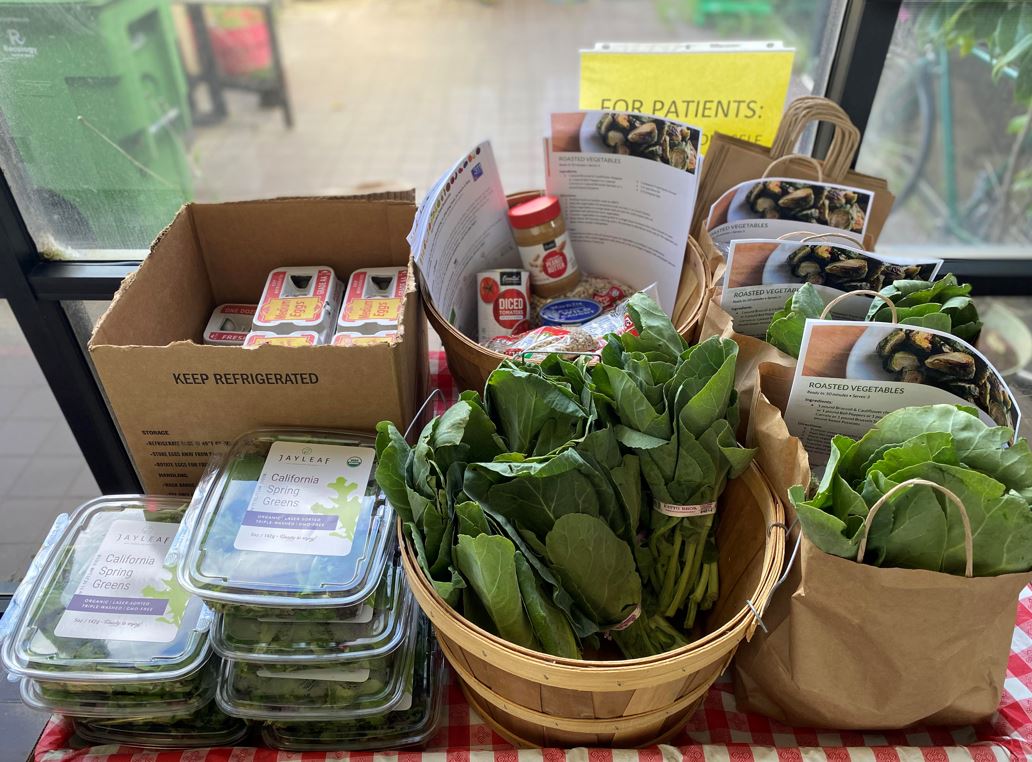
(371, 629)
(412, 723)
(288, 518)
(317, 691)
(205, 727)
(121, 700)
(106, 606)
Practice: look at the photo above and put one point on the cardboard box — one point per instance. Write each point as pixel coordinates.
(177, 401)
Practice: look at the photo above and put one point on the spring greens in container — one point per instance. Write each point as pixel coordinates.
(290, 519)
(373, 628)
(412, 723)
(113, 700)
(316, 691)
(919, 528)
(105, 614)
(204, 727)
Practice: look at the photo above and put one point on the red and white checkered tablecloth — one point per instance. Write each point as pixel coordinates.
(718, 731)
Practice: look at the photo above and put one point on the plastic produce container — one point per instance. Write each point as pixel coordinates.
(205, 727)
(316, 691)
(113, 701)
(412, 723)
(288, 519)
(371, 629)
(103, 621)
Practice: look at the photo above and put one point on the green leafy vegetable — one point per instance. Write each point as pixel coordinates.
(944, 304)
(919, 528)
(488, 563)
(530, 511)
(786, 327)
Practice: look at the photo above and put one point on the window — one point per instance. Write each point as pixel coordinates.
(113, 114)
(950, 129)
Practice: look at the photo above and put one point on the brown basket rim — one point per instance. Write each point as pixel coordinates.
(623, 723)
(478, 706)
(728, 635)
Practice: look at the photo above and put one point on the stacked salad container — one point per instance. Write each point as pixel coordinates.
(101, 630)
(291, 543)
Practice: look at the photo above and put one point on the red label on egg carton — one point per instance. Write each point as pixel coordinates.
(375, 295)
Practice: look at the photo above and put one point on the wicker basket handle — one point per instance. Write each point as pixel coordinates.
(818, 170)
(969, 552)
(861, 292)
(845, 140)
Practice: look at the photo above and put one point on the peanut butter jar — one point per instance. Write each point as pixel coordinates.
(540, 233)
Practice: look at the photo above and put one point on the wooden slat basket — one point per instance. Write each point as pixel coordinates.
(470, 364)
(534, 699)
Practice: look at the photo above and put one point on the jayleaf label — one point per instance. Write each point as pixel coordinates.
(128, 592)
(308, 500)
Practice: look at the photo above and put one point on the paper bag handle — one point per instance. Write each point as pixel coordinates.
(845, 140)
(969, 552)
(801, 157)
(840, 236)
(861, 292)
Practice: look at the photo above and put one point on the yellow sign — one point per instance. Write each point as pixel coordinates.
(738, 89)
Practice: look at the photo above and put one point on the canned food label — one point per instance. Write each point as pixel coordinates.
(504, 303)
(308, 500)
(128, 591)
(549, 261)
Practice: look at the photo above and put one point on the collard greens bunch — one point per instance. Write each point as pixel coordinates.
(530, 509)
(918, 527)
(943, 305)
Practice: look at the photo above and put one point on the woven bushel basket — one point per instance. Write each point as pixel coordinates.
(470, 364)
(533, 699)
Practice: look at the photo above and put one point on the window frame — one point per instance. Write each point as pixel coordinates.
(35, 287)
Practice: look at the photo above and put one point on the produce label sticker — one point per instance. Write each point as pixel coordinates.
(738, 89)
(308, 500)
(680, 511)
(772, 207)
(128, 592)
(336, 674)
(850, 375)
(763, 274)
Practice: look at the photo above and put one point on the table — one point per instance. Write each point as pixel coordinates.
(718, 731)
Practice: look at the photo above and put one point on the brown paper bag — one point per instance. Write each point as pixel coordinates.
(852, 646)
(730, 161)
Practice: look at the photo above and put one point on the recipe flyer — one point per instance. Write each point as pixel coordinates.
(461, 228)
(627, 184)
(850, 375)
(762, 274)
(774, 207)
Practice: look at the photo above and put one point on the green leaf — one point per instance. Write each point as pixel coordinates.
(536, 415)
(548, 621)
(488, 564)
(595, 566)
(786, 327)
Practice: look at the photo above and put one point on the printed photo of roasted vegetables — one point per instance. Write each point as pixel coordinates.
(850, 270)
(650, 138)
(920, 357)
(809, 202)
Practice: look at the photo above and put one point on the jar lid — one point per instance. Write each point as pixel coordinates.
(563, 312)
(535, 212)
